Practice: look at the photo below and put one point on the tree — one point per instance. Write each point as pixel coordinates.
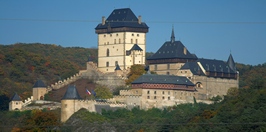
(103, 92)
(135, 72)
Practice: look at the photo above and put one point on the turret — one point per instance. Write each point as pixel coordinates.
(15, 103)
(39, 90)
(69, 103)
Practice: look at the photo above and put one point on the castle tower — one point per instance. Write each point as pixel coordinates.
(39, 90)
(69, 103)
(116, 37)
(15, 103)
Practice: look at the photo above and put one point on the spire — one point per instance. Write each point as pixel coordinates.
(173, 35)
(231, 63)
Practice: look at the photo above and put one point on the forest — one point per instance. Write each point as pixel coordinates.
(22, 64)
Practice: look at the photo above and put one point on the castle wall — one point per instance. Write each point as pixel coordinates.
(15, 105)
(167, 68)
(214, 86)
(38, 93)
(112, 49)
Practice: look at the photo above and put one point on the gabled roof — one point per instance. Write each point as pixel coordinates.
(215, 66)
(39, 84)
(122, 18)
(173, 50)
(193, 67)
(15, 97)
(71, 93)
(136, 47)
(163, 79)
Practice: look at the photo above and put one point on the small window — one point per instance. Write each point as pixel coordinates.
(154, 92)
(131, 41)
(115, 41)
(136, 41)
(104, 35)
(163, 97)
(148, 92)
(110, 35)
(116, 34)
(154, 97)
(148, 97)
(137, 34)
(119, 41)
(65, 105)
(168, 98)
(132, 34)
(107, 52)
(168, 92)
(107, 64)
(163, 92)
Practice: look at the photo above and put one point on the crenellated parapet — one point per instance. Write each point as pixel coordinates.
(27, 101)
(65, 82)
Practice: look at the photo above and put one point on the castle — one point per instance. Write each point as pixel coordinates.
(181, 76)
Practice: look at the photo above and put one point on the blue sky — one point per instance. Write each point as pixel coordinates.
(210, 29)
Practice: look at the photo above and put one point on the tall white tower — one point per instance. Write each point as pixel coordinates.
(121, 40)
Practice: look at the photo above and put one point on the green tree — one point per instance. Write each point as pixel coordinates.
(135, 72)
(103, 92)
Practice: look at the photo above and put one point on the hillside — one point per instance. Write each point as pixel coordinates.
(21, 65)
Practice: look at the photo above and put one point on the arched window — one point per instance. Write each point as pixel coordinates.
(107, 52)
(199, 85)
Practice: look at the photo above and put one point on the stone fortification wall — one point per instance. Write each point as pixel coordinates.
(214, 86)
(27, 101)
(65, 82)
(110, 80)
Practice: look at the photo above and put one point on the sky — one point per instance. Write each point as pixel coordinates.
(210, 29)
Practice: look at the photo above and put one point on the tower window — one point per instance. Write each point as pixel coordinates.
(107, 52)
(132, 34)
(137, 34)
(116, 34)
(104, 35)
(107, 64)
(131, 41)
(110, 35)
(115, 41)
(119, 41)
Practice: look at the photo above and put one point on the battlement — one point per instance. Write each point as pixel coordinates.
(65, 82)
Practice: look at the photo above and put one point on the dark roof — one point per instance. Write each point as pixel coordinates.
(163, 79)
(39, 84)
(231, 63)
(71, 93)
(173, 50)
(117, 67)
(136, 47)
(215, 66)
(15, 97)
(122, 18)
(193, 67)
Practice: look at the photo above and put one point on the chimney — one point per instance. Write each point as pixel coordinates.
(139, 19)
(103, 20)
